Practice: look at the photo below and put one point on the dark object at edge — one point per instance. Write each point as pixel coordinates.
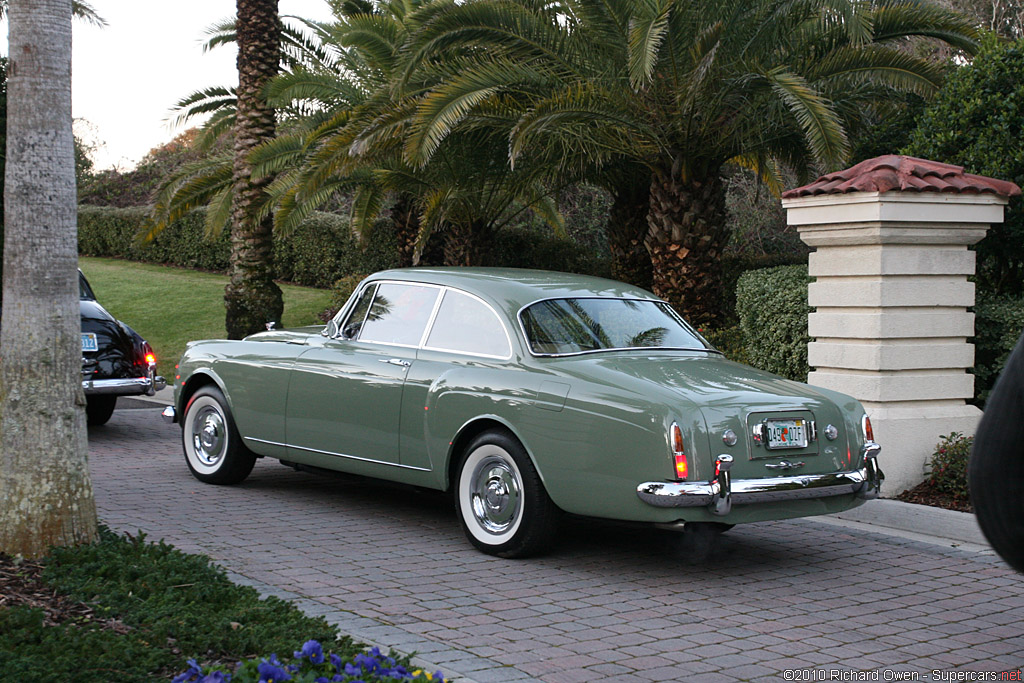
(996, 469)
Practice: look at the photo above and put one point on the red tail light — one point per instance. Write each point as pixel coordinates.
(150, 358)
(678, 453)
(869, 433)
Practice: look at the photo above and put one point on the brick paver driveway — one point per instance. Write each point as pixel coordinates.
(390, 565)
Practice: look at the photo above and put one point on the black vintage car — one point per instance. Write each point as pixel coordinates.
(116, 361)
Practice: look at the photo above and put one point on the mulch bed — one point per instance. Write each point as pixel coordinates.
(20, 584)
(924, 494)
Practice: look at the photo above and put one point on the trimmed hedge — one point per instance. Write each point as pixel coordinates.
(314, 254)
(772, 307)
(111, 231)
(998, 322)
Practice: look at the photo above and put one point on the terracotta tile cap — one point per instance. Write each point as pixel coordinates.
(906, 174)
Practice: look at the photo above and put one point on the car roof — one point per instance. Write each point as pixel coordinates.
(513, 288)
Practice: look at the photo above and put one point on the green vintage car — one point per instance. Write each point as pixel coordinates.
(528, 394)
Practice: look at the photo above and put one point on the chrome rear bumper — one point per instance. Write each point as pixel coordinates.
(721, 493)
(129, 386)
(148, 384)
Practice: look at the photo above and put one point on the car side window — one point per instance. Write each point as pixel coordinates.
(350, 330)
(398, 314)
(467, 325)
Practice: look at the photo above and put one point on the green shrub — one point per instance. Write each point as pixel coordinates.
(540, 248)
(947, 470)
(772, 308)
(340, 293)
(730, 341)
(998, 322)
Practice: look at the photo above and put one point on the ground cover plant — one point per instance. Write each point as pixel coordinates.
(170, 306)
(125, 609)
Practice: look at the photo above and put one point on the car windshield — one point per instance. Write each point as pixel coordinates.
(560, 326)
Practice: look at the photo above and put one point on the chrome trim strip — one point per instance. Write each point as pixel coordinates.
(337, 455)
(526, 337)
(720, 493)
(433, 316)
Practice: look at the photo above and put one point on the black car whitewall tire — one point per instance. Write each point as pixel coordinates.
(213, 449)
(500, 499)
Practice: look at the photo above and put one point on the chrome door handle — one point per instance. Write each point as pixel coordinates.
(395, 361)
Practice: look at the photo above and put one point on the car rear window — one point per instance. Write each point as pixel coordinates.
(581, 325)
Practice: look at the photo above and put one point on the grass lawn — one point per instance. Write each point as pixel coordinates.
(171, 306)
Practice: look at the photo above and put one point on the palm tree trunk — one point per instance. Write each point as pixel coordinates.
(685, 236)
(464, 245)
(46, 494)
(627, 225)
(407, 229)
(252, 297)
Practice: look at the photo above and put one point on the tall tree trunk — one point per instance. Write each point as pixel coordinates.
(685, 236)
(45, 491)
(627, 226)
(252, 297)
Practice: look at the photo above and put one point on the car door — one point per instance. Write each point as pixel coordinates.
(345, 396)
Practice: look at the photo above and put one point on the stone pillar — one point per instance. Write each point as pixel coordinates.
(892, 324)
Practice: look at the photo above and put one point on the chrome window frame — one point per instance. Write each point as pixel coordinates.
(672, 312)
(346, 309)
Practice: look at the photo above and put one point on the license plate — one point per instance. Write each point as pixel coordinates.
(786, 433)
(89, 342)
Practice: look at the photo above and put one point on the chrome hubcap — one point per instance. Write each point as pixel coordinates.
(209, 436)
(495, 495)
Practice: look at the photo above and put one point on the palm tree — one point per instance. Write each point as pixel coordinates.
(46, 494)
(681, 88)
(467, 191)
(253, 298)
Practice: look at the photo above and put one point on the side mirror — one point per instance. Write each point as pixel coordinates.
(331, 330)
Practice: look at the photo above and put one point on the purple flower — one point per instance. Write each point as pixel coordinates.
(312, 650)
(194, 672)
(271, 673)
(336, 661)
(216, 677)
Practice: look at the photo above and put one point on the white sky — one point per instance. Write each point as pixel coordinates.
(128, 75)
